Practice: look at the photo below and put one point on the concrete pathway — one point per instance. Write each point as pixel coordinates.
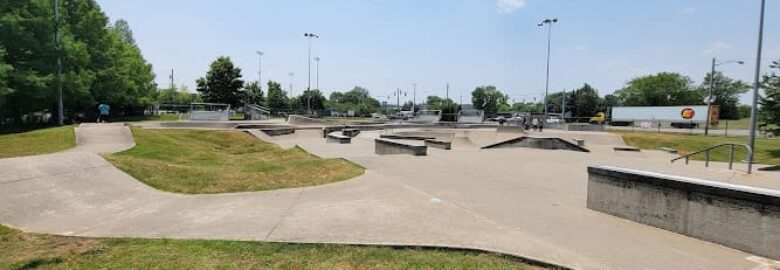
(525, 202)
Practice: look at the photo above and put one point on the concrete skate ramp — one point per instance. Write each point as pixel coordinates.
(549, 143)
(463, 142)
(298, 120)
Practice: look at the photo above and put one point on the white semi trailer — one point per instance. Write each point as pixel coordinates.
(676, 116)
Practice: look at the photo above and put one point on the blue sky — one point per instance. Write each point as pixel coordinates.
(383, 44)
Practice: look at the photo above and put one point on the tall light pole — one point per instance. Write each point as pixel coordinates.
(710, 98)
(60, 109)
(756, 86)
(310, 36)
(260, 69)
(291, 74)
(317, 60)
(549, 23)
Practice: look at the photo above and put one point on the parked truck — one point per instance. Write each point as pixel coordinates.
(676, 116)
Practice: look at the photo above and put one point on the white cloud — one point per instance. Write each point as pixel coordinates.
(509, 6)
(717, 48)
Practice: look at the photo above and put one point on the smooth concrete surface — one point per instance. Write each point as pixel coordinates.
(338, 138)
(395, 147)
(742, 217)
(519, 201)
(548, 143)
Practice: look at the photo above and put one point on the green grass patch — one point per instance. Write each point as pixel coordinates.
(767, 150)
(36, 142)
(36, 251)
(743, 123)
(196, 162)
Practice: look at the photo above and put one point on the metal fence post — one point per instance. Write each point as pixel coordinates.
(707, 158)
(731, 158)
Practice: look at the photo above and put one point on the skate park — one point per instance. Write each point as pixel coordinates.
(521, 200)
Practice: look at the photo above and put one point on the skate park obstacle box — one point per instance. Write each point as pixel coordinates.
(741, 217)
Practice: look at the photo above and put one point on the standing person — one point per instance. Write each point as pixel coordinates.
(104, 112)
(535, 123)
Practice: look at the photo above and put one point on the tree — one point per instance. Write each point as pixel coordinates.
(408, 106)
(358, 99)
(770, 102)
(277, 98)
(97, 64)
(585, 101)
(662, 89)
(312, 100)
(489, 99)
(123, 29)
(253, 93)
(726, 92)
(222, 83)
(449, 109)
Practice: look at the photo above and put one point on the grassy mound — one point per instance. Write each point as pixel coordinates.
(35, 251)
(36, 142)
(192, 161)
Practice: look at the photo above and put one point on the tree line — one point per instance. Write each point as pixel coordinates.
(100, 62)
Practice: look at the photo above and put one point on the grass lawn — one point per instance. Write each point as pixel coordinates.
(193, 161)
(767, 150)
(739, 124)
(36, 142)
(35, 251)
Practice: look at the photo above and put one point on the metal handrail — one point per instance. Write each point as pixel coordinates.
(707, 150)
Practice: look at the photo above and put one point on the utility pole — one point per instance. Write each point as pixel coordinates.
(310, 36)
(756, 86)
(173, 85)
(447, 95)
(317, 60)
(414, 97)
(563, 106)
(549, 23)
(60, 109)
(709, 98)
(260, 69)
(291, 74)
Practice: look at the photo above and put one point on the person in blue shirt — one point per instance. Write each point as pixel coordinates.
(104, 112)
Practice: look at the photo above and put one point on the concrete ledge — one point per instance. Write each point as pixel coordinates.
(439, 144)
(584, 127)
(627, 149)
(351, 132)
(668, 150)
(278, 131)
(405, 137)
(390, 147)
(328, 130)
(337, 138)
(740, 217)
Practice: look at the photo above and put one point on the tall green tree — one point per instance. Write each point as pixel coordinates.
(222, 83)
(489, 99)
(662, 89)
(123, 29)
(253, 93)
(726, 92)
(312, 100)
(97, 64)
(584, 101)
(770, 102)
(358, 99)
(277, 98)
